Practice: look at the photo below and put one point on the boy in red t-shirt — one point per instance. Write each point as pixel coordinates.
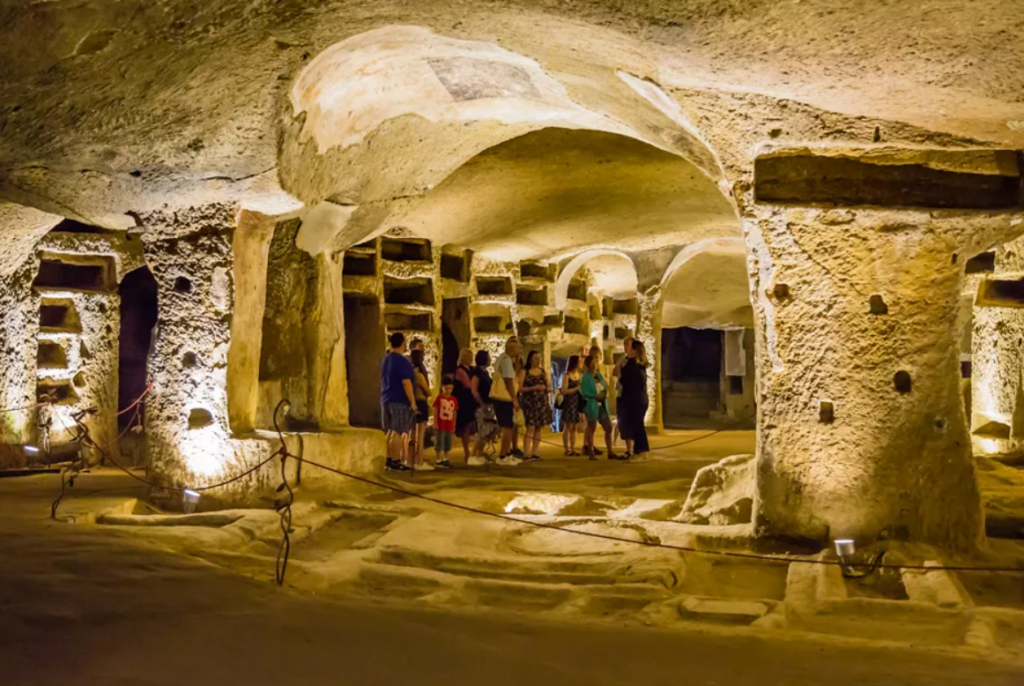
(445, 409)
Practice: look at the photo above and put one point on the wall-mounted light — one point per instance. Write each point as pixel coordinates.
(189, 500)
(31, 449)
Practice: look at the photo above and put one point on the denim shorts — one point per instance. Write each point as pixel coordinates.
(443, 441)
(398, 417)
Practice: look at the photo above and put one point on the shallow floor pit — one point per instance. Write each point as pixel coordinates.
(994, 589)
(341, 534)
(736, 579)
(882, 584)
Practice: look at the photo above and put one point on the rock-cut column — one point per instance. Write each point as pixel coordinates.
(648, 330)
(862, 431)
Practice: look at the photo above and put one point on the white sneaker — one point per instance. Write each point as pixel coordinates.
(424, 467)
(508, 461)
(477, 461)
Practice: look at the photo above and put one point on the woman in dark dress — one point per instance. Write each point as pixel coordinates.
(463, 392)
(485, 422)
(570, 392)
(535, 398)
(633, 401)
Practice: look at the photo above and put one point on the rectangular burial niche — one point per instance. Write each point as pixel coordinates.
(359, 263)
(489, 324)
(62, 391)
(627, 306)
(576, 325)
(577, 290)
(51, 355)
(401, 321)
(691, 371)
(59, 317)
(606, 308)
(982, 263)
(531, 296)
(455, 267)
(408, 292)
(405, 250)
(365, 345)
(532, 270)
(455, 332)
(493, 285)
(1000, 293)
(92, 273)
(965, 179)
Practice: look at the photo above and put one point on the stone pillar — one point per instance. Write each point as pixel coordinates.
(861, 428)
(18, 330)
(997, 359)
(328, 382)
(251, 246)
(187, 431)
(648, 330)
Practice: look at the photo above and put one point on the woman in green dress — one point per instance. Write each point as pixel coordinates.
(594, 392)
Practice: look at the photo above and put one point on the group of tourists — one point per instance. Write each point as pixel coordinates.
(514, 399)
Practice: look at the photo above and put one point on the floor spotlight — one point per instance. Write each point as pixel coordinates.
(845, 548)
(189, 500)
(847, 551)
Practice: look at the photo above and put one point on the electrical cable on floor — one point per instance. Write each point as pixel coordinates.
(659, 544)
(283, 501)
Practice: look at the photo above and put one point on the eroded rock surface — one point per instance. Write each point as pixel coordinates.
(722, 493)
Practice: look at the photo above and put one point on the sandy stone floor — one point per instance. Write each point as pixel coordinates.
(381, 587)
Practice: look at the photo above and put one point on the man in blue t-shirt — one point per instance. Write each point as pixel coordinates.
(398, 404)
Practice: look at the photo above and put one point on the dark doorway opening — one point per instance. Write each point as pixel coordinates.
(454, 332)
(691, 374)
(365, 343)
(138, 292)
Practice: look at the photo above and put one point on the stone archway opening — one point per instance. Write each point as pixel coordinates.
(138, 291)
(707, 338)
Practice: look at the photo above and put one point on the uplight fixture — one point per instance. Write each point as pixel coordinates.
(189, 500)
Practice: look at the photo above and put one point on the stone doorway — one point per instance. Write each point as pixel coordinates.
(364, 349)
(138, 291)
(455, 334)
(691, 376)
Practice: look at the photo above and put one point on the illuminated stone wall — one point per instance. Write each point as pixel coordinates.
(188, 435)
(18, 328)
(997, 359)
